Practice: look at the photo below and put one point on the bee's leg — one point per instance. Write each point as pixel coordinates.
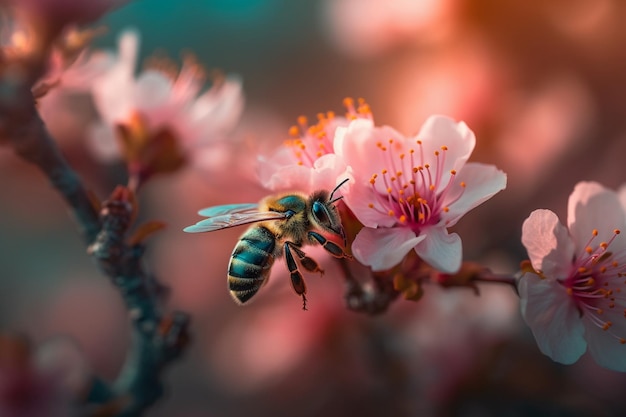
(297, 281)
(308, 263)
(331, 247)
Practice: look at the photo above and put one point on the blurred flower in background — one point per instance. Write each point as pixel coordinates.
(159, 118)
(370, 27)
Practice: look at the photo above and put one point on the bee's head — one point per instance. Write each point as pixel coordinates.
(324, 214)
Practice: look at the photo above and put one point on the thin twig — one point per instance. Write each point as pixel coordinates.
(372, 297)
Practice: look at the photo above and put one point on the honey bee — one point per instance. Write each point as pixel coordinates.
(284, 223)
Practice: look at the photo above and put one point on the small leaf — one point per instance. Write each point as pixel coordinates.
(94, 201)
(410, 289)
(143, 231)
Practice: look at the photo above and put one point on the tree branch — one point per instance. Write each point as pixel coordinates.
(158, 338)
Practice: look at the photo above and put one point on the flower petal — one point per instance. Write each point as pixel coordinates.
(591, 206)
(548, 244)
(441, 250)
(358, 145)
(481, 183)
(103, 143)
(152, 89)
(605, 348)
(553, 318)
(440, 131)
(358, 198)
(112, 105)
(278, 173)
(383, 248)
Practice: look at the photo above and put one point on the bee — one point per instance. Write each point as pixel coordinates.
(284, 223)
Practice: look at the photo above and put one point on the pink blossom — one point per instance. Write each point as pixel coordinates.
(307, 161)
(408, 191)
(68, 81)
(573, 301)
(163, 102)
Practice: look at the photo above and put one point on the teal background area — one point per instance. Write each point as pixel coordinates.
(277, 46)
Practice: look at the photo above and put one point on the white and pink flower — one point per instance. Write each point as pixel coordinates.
(408, 191)
(307, 161)
(158, 104)
(575, 299)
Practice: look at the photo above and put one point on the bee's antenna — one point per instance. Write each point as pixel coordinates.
(336, 188)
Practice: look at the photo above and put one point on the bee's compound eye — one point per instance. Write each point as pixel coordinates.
(321, 213)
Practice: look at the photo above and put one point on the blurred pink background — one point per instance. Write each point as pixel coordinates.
(542, 84)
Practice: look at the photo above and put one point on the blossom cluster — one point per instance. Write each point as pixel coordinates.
(405, 191)
(155, 121)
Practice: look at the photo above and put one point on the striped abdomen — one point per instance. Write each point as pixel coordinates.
(250, 263)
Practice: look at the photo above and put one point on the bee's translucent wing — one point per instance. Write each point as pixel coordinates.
(228, 209)
(222, 217)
